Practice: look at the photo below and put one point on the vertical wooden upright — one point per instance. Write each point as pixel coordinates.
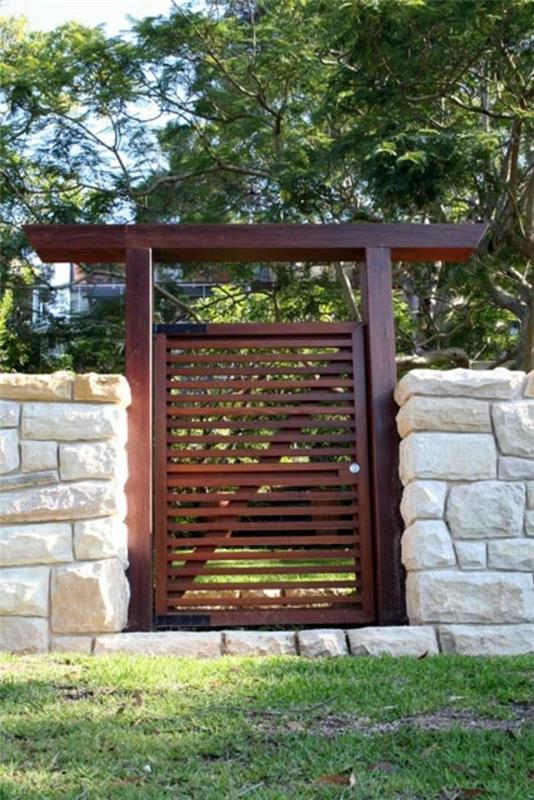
(377, 312)
(138, 346)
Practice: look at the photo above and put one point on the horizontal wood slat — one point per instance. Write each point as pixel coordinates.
(245, 408)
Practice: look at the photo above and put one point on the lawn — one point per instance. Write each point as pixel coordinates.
(121, 727)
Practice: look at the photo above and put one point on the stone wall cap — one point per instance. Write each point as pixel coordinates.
(95, 388)
(497, 384)
(21, 386)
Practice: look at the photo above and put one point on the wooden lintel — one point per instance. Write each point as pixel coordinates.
(262, 242)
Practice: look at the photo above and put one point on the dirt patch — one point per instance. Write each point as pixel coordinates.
(330, 725)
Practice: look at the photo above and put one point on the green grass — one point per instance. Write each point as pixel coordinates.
(265, 729)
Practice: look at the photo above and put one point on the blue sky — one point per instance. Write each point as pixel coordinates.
(46, 14)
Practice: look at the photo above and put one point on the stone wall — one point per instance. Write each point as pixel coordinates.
(467, 466)
(63, 542)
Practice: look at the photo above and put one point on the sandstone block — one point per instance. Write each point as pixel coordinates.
(514, 469)
(89, 597)
(529, 523)
(426, 544)
(106, 537)
(259, 643)
(9, 450)
(529, 388)
(471, 555)
(37, 456)
(92, 460)
(487, 640)
(17, 386)
(314, 644)
(96, 388)
(72, 644)
(23, 635)
(512, 554)
(423, 500)
(489, 384)
(38, 543)
(393, 641)
(185, 644)
(9, 414)
(444, 414)
(28, 479)
(72, 421)
(63, 501)
(24, 592)
(489, 509)
(514, 428)
(448, 456)
(478, 597)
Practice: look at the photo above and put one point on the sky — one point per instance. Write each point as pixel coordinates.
(47, 14)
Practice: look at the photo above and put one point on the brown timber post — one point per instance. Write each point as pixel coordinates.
(138, 347)
(377, 312)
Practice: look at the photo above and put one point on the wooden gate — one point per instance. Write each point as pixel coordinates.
(262, 511)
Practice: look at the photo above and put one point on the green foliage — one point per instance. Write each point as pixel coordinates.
(292, 111)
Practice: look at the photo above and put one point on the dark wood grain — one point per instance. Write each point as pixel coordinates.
(377, 310)
(138, 347)
(216, 243)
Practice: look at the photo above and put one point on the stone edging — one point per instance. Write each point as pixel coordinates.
(415, 641)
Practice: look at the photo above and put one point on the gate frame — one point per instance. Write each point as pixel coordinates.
(373, 245)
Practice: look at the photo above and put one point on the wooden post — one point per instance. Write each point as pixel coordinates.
(377, 312)
(138, 346)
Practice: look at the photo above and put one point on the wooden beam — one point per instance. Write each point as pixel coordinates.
(138, 346)
(377, 313)
(223, 243)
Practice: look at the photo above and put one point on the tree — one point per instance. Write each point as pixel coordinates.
(299, 110)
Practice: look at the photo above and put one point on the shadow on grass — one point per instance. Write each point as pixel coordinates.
(156, 728)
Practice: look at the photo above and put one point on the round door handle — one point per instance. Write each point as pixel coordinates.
(354, 468)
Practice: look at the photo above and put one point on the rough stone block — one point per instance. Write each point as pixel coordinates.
(512, 554)
(479, 597)
(18, 386)
(63, 501)
(23, 635)
(9, 414)
(72, 421)
(24, 592)
(186, 644)
(487, 640)
(514, 428)
(314, 644)
(423, 500)
(38, 543)
(89, 597)
(471, 555)
(37, 456)
(28, 479)
(72, 644)
(448, 456)
(106, 537)
(489, 384)
(444, 414)
(393, 641)
(96, 388)
(426, 544)
(530, 495)
(259, 643)
(529, 388)
(529, 523)
(92, 460)
(514, 469)
(489, 509)
(9, 450)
